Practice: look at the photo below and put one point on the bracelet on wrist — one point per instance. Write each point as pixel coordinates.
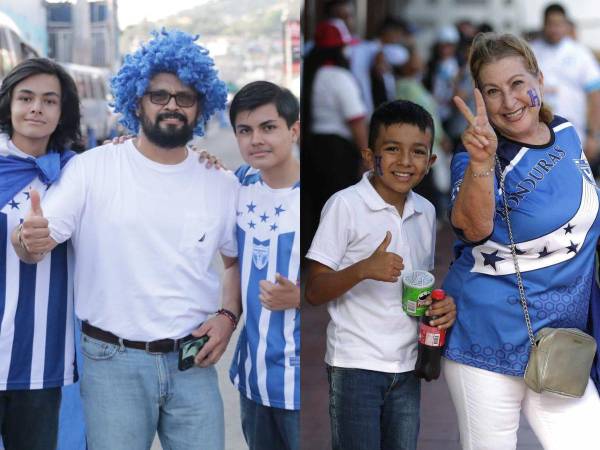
(230, 315)
(487, 173)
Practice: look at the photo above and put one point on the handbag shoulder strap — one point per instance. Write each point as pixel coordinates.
(513, 250)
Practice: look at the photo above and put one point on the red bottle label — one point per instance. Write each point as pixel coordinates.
(431, 336)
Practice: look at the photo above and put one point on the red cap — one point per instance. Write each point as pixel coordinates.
(332, 33)
(438, 294)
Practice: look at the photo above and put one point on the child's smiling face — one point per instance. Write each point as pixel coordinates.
(401, 158)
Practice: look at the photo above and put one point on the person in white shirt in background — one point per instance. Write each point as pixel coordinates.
(333, 123)
(571, 79)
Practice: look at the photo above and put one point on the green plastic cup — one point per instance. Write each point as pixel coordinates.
(416, 285)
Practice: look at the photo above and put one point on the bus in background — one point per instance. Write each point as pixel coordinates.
(13, 48)
(98, 122)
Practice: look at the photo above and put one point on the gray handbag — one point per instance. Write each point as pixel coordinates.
(561, 358)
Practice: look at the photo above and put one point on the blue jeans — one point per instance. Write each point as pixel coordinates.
(373, 410)
(267, 428)
(129, 395)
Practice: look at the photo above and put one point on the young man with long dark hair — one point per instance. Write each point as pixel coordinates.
(39, 118)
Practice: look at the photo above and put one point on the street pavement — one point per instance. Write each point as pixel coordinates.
(221, 142)
(439, 428)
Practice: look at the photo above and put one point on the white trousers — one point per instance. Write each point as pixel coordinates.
(489, 404)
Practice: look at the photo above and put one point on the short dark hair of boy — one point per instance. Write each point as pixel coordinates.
(554, 8)
(399, 112)
(68, 130)
(259, 93)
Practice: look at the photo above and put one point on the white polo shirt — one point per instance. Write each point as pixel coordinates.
(570, 73)
(336, 100)
(145, 236)
(368, 328)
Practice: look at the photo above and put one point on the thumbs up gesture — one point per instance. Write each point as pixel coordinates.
(35, 234)
(383, 265)
(281, 295)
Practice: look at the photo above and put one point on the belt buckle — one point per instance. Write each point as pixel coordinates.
(147, 349)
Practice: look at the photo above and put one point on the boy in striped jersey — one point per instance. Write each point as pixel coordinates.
(266, 366)
(39, 114)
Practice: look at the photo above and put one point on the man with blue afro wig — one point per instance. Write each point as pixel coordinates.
(148, 220)
(171, 52)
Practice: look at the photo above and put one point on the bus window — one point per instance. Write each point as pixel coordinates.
(87, 81)
(7, 60)
(27, 51)
(16, 41)
(96, 87)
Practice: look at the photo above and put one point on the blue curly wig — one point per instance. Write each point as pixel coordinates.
(175, 52)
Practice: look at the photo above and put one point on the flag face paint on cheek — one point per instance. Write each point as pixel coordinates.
(533, 96)
(378, 169)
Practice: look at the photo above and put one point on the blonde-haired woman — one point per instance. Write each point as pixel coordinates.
(553, 209)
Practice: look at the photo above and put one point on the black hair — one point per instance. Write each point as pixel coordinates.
(330, 6)
(259, 93)
(399, 112)
(68, 128)
(553, 8)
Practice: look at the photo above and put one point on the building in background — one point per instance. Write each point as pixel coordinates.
(84, 32)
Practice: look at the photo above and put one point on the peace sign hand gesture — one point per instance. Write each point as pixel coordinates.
(479, 138)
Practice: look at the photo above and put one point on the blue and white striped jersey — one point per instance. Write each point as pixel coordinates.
(553, 207)
(266, 365)
(36, 310)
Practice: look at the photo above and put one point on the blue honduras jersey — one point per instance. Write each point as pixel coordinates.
(36, 316)
(553, 203)
(266, 365)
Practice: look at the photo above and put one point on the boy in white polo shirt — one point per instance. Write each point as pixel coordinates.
(369, 233)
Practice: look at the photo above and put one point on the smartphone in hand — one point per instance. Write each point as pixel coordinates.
(189, 350)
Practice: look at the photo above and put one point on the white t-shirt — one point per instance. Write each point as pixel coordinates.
(336, 100)
(145, 236)
(570, 73)
(368, 328)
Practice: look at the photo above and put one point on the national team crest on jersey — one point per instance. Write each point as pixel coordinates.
(260, 253)
(585, 170)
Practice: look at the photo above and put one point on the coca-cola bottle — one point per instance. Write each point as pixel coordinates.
(431, 343)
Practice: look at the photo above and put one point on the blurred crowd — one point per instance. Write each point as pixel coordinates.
(346, 77)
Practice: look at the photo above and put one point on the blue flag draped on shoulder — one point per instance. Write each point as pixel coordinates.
(16, 172)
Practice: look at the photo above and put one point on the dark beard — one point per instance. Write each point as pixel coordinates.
(172, 136)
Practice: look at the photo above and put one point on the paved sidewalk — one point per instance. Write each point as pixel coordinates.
(439, 430)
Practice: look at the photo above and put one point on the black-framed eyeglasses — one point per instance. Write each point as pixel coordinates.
(183, 99)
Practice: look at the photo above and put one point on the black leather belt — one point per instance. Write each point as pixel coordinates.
(160, 346)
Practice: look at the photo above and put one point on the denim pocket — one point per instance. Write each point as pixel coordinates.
(98, 350)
